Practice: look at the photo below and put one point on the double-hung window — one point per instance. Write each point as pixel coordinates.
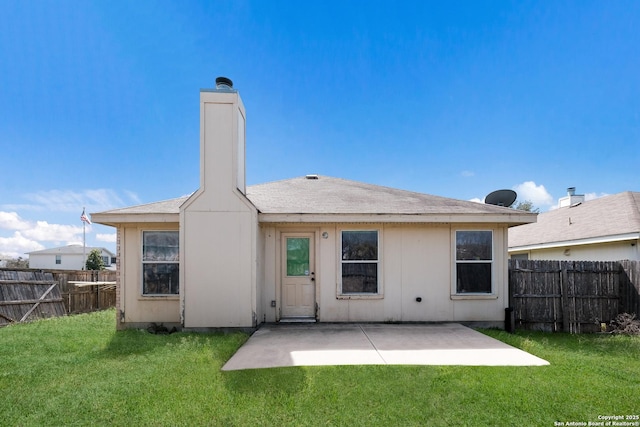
(160, 262)
(360, 262)
(474, 259)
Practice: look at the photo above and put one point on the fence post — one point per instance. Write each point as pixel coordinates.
(98, 297)
(564, 294)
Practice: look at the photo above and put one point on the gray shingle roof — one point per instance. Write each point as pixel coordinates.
(70, 250)
(171, 206)
(327, 195)
(607, 216)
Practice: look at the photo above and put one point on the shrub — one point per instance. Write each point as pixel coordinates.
(625, 324)
(94, 260)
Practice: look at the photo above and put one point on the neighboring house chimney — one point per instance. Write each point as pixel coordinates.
(571, 198)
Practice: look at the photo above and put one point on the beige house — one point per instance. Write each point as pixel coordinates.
(311, 248)
(604, 229)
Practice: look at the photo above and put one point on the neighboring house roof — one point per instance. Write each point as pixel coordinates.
(321, 197)
(69, 250)
(605, 219)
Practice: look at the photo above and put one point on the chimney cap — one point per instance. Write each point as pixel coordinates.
(571, 191)
(224, 83)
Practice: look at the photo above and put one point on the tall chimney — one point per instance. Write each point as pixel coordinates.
(218, 224)
(222, 133)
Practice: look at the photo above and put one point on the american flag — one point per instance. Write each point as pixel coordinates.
(85, 218)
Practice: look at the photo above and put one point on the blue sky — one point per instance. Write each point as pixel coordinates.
(99, 100)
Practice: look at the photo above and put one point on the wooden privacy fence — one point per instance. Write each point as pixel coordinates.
(29, 294)
(630, 287)
(79, 296)
(545, 295)
(571, 296)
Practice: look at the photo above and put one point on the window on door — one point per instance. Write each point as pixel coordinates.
(474, 259)
(297, 256)
(359, 262)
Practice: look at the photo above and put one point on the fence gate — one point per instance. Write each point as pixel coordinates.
(28, 295)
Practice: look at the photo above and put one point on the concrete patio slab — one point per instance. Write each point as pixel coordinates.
(374, 344)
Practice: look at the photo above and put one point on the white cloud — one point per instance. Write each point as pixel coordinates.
(72, 201)
(536, 194)
(94, 200)
(475, 199)
(17, 245)
(54, 232)
(25, 235)
(12, 221)
(109, 238)
(28, 235)
(467, 174)
(133, 197)
(591, 196)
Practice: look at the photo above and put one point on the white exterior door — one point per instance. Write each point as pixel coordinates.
(298, 289)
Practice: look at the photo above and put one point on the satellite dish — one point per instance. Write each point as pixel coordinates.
(501, 198)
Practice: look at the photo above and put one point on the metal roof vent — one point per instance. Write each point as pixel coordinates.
(224, 83)
(313, 176)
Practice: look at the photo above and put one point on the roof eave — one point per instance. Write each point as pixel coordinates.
(113, 219)
(576, 242)
(510, 219)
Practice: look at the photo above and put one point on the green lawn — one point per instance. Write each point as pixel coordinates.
(78, 370)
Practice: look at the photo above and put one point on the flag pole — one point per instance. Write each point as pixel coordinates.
(85, 220)
(84, 243)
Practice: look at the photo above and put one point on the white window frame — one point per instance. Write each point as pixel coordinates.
(454, 283)
(143, 262)
(359, 295)
(58, 259)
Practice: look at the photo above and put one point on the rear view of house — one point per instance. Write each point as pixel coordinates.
(311, 248)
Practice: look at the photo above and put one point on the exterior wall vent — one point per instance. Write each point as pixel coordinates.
(312, 176)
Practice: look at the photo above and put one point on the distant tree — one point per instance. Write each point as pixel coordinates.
(526, 206)
(18, 263)
(94, 260)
